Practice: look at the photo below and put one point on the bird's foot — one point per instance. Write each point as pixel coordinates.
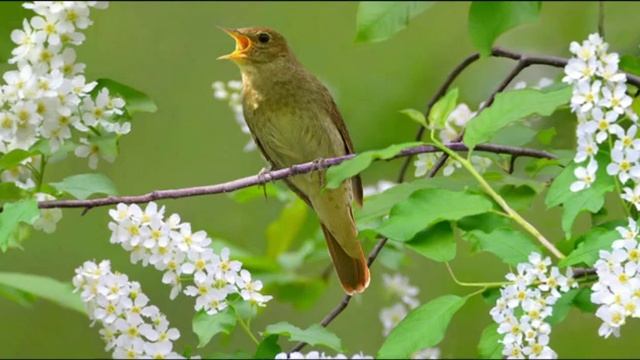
(264, 176)
(320, 165)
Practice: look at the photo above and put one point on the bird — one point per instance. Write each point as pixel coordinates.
(293, 119)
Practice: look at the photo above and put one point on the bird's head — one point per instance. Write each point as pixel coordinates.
(256, 46)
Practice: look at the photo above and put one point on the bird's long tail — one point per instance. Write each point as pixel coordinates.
(352, 272)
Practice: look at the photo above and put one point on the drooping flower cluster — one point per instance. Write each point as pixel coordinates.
(47, 97)
(600, 102)
(319, 355)
(380, 187)
(131, 327)
(456, 121)
(525, 303)
(170, 246)
(231, 92)
(617, 290)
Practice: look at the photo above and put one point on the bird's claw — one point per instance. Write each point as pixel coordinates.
(264, 176)
(319, 165)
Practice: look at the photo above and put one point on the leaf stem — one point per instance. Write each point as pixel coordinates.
(247, 330)
(500, 200)
(484, 285)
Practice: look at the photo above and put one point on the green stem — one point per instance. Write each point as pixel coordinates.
(484, 285)
(247, 330)
(500, 200)
(623, 203)
(43, 164)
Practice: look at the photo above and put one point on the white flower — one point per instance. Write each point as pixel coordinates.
(632, 195)
(616, 99)
(380, 187)
(624, 164)
(391, 316)
(49, 218)
(428, 353)
(424, 163)
(230, 92)
(585, 176)
(587, 149)
(585, 95)
(318, 355)
(398, 285)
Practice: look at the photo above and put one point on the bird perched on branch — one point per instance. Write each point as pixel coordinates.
(293, 119)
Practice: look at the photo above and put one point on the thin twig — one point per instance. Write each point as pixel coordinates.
(266, 177)
(601, 18)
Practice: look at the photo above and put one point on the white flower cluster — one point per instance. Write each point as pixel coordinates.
(231, 92)
(170, 246)
(319, 355)
(131, 327)
(600, 101)
(47, 96)
(617, 290)
(48, 217)
(452, 128)
(380, 187)
(524, 305)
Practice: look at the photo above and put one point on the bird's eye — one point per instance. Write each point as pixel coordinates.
(264, 38)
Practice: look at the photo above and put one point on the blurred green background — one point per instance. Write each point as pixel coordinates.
(168, 51)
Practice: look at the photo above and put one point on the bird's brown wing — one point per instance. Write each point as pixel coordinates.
(334, 113)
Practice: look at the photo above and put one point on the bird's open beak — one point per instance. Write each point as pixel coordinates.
(242, 45)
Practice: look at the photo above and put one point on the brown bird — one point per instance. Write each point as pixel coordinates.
(293, 119)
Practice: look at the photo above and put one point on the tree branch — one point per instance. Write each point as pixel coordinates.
(273, 175)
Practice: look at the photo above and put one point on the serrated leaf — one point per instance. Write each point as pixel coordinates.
(428, 206)
(84, 185)
(12, 215)
(379, 20)
(591, 199)
(135, 100)
(423, 327)
(587, 251)
(415, 115)
(44, 287)
(282, 232)
(489, 19)
(436, 243)
(512, 106)
(489, 346)
(335, 175)
(441, 109)
(313, 335)
(206, 326)
(268, 348)
(511, 246)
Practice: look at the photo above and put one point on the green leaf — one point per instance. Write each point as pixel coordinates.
(489, 346)
(415, 115)
(518, 197)
(314, 335)
(423, 327)
(44, 287)
(14, 158)
(135, 101)
(268, 348)
(583, 301)
(24, 211)
(591, 199)
(84, 185)
(511, 106)
(562, 306)
(489, 19)
(511, 246)
(630, 63)
(588, 250)
(379, 20)
(335, 175)
(11, 16)
(206, 326)
(516, 134)
(428, 206)
(10, 192)
(18, 296)
(441, 109)
(545, 137)
(436, 243)
(282, 232)
(484, 222)
(302, 292)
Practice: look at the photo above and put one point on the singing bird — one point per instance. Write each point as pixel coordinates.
(293, 119)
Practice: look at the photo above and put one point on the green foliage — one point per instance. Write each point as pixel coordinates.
(301, 291)
(12, 215)
(206, 326)
(516, 134)
(13, 158)
(337, 174)
(10, 192)
(591, 199)
(630, 63)
(423, 327)
(582, 301)
(587, 250)
(428, 206)
(313, 335)
(441, 109)
(415, 115)
(84, 185)
(268, 348)
(135, 100)
(562, 307)
(44, 287)
(282, 232)
(511, 246)
(11, 15)
(489, 19)
(512, 106)
(379, 20)
(489, 346)
(436, 243)
(19, 297)
(518, 197)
